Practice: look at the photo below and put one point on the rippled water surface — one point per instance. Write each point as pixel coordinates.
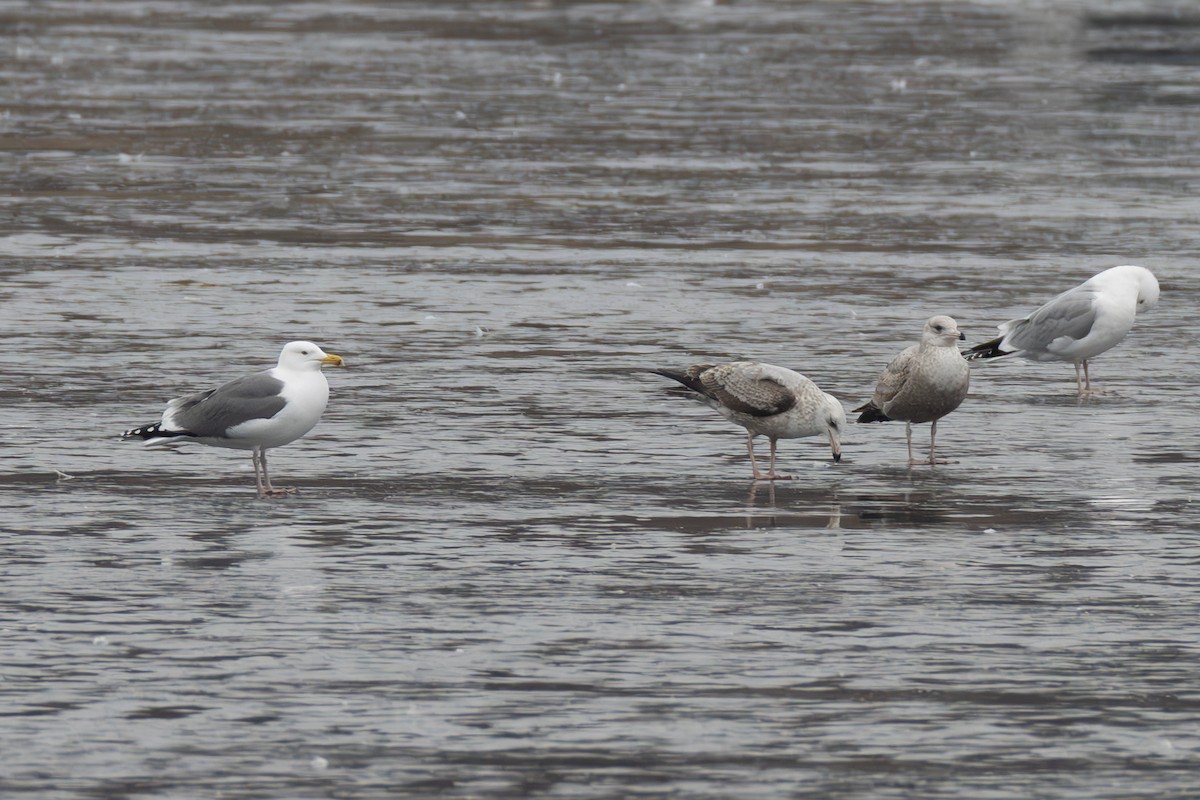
(517, 564)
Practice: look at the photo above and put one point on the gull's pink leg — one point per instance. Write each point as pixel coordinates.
(772, 475)
(932, 436)
(1086, 389)
(257, 475)
(933, 459)
(758, 476)
(270, 491)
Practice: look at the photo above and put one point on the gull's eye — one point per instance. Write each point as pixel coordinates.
(303, 352)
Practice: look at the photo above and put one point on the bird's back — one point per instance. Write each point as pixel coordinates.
(763, 398)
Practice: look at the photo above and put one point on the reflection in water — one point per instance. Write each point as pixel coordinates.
(797, 512)
(835, 516)
(769, 491)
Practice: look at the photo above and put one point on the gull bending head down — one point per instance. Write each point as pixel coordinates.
(766, 400)
(1079, 324)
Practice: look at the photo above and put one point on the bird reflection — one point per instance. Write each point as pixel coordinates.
(766, 515)
(835, 516)
(752, 498)
(753, 520)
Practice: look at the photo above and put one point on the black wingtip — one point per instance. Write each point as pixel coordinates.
(667, 373)
(681, 377)
(143, 432)
(986, 350)
(152, 431)
(871, 413)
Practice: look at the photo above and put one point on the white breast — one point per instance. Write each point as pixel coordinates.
(306, 393)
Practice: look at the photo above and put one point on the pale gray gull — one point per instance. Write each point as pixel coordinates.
(256, 412)
(767, 401)
(923, 384)
(1079, 324)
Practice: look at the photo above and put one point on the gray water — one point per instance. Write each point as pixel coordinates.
(516, 564)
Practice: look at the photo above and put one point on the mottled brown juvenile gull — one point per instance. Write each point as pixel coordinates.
(1079, 324)
(923, 384)
(766, 400)
(255, 412)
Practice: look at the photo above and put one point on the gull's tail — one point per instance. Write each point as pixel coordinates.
(154, 434)
(987, 350)
(871, 413)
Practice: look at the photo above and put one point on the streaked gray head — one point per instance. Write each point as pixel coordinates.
(941, 331)
(305, 356)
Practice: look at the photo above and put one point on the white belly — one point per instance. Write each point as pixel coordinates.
(306, 400)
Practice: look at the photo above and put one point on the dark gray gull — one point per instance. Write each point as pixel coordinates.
(923, 384)
(767, 401)
(255, 412)
(1079, 324)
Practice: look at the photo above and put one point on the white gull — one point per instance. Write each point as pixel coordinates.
(255, 412)
(1079, 324)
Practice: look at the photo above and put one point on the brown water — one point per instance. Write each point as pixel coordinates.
(518, 566)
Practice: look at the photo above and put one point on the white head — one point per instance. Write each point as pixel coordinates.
(835, 422)
(941, 331)
(1138, 278)
(306, 356)
(1147, 284)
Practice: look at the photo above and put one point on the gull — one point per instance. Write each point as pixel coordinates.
(1079, 324)
(923, 384)
(255, 412)
(768, 401)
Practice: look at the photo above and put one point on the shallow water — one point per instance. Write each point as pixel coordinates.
(518, 565)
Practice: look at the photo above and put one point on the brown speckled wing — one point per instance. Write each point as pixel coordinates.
(894, 376)
(745, 391)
